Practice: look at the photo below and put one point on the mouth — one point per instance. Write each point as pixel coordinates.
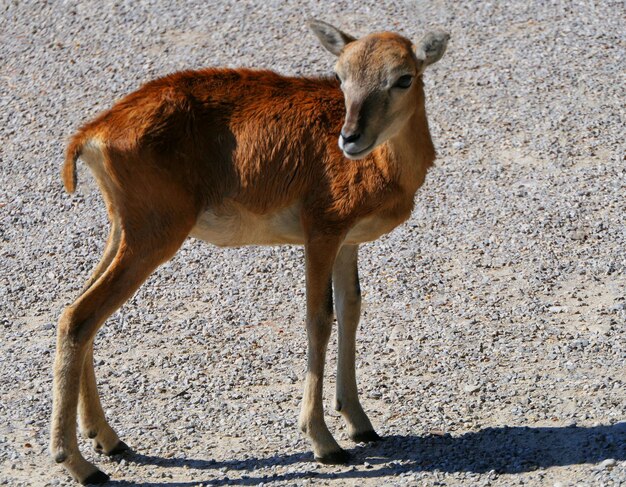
(358, 154)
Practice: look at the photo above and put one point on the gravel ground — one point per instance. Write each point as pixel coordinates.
(493, 341)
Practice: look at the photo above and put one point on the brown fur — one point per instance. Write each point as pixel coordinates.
(254, 137)
(242, 146)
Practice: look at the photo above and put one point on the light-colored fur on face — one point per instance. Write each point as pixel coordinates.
(368, 69)
(371, 70)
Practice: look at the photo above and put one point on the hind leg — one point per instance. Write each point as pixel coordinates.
(133, 263)
(93, 423)
(110, 250)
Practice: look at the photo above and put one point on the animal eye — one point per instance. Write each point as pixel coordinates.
(404, 81)
(337, 78)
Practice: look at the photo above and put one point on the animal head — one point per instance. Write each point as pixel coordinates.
(379, 76)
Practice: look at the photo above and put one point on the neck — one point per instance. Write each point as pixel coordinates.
(411, 151)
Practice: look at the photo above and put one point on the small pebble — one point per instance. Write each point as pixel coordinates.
(471, 388)
(608, 463)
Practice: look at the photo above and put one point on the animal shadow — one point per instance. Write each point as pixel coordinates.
(505, 450)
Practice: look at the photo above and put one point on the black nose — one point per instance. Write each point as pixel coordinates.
(350, 137)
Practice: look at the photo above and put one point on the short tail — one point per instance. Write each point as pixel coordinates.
(68, 173)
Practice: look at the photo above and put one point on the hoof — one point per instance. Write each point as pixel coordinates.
(60, 457)
(98, 477)
(366, 437)
(120, 448)
(340, 457)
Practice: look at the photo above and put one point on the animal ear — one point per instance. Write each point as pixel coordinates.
(331, 38)
(431, 47)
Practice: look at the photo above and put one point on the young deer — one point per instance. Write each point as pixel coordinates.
(243, 157)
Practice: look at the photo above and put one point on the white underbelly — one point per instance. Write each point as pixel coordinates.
(234, 226)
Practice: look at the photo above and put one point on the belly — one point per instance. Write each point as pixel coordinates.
(234, 226)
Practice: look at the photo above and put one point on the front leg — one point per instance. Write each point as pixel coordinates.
(320, 254)
(348, 305)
